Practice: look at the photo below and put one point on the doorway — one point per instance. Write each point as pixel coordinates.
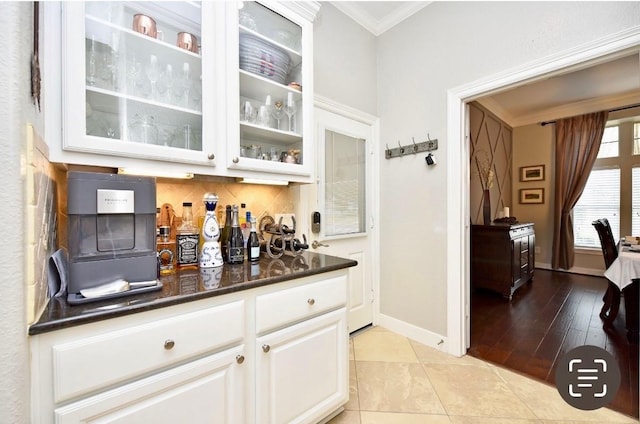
(458, 227)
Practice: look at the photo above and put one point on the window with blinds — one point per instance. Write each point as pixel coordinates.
(635, 199)
(600, 199)
(344, 185)
(613, 188)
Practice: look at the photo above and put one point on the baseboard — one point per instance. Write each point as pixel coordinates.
(574, 270)
(426, 337)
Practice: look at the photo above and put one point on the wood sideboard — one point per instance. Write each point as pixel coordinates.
(502, 256)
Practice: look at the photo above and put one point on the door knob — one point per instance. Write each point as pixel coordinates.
(315, 244)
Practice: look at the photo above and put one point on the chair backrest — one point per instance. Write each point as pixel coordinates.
(608, 244)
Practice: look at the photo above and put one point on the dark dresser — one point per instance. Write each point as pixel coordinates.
(502, 256)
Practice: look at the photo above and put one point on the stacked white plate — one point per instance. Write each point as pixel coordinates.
(260, 57)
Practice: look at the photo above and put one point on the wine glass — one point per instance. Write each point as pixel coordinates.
(153, 73)
(290, 109)
(165, 83)
(277, 112)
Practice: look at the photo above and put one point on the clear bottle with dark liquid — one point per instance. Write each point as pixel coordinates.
(187, 240)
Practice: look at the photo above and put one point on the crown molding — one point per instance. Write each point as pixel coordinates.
(379, 26)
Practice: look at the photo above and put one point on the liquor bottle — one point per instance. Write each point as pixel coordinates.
(226, 232)
(187, 240)
(210, 256)
(235, 245)
(253, 243)
(166, 249)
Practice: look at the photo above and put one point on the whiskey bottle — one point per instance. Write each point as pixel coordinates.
(166, 249)
(187, 240)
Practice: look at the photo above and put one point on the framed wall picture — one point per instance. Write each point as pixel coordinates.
(532, 173)
(532, 195)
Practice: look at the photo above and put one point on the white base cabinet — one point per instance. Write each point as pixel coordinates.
(203, 391)
(300, 370)
(226, 359)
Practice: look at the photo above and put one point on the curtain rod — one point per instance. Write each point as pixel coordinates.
(612, 110)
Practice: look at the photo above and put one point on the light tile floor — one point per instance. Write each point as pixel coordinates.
(395, 380)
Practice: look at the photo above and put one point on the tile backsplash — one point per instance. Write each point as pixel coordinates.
(42, 217)
(259, 199)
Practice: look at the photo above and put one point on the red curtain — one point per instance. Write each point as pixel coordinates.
(577, 144)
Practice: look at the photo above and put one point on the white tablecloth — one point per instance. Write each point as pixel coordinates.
(624, 268)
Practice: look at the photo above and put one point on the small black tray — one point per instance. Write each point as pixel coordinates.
(78, 299)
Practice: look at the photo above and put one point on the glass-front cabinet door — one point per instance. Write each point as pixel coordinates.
(133, 80)
(270, 128)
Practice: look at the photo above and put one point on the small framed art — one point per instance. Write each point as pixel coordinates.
(532, 195)
(532, 173)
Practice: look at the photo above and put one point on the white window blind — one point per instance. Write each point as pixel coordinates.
(344, 184)
(635, 201)
(600, 199)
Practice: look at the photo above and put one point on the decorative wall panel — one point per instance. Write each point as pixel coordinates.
(490, 149)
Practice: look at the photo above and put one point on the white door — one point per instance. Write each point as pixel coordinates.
(344, 200)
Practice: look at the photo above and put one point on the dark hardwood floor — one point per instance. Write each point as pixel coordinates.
(545, 319)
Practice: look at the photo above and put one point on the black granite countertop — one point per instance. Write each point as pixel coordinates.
(187, 286)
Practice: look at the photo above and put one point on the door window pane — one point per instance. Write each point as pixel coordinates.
(600, 199)
(636, 138)
(344, 184)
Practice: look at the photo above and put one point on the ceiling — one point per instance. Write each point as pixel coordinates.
(603, 86)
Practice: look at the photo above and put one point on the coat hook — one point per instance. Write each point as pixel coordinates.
(428, 137)
(387, 151)
(415, 146)
(401, 148)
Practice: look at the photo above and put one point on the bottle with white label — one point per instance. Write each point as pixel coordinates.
(187, 240)
(210, 256)
(253, 243)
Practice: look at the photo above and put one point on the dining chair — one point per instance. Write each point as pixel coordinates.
(610, 251)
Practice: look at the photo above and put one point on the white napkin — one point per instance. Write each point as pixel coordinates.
(117, 286)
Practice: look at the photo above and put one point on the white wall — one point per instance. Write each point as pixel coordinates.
(344, 60)
(16, 110)
(440, 48)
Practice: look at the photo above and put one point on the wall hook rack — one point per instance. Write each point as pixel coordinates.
(413, 148)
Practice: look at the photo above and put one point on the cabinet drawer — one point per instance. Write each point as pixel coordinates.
(277, 309)
(81, 366)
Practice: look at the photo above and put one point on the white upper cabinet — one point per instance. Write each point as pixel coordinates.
(158, 84)
(135, 81)
(270, 84)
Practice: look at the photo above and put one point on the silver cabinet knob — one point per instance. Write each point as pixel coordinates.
(266, 348)
(311, 301)
(240, 359)
(236, 159)
(211, 156)
(169, 344)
